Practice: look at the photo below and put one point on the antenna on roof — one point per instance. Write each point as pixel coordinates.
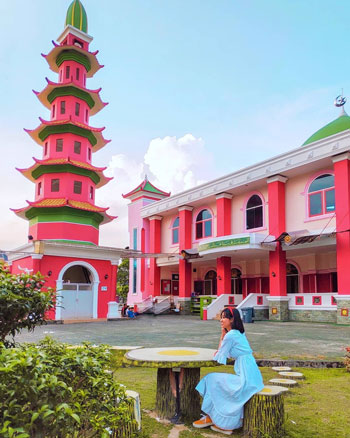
(146, 178)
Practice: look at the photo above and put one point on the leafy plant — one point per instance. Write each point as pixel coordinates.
(123, 279)
(53, 391)
(24, 303)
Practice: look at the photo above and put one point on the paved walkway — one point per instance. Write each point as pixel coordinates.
(268, 339)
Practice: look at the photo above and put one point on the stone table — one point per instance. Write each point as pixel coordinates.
(177, 376)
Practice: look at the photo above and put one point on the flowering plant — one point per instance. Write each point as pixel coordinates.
(347, 359)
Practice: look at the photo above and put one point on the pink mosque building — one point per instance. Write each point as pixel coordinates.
(63, 219)
(273, 236)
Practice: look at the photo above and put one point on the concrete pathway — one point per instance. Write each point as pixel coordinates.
(268, 339)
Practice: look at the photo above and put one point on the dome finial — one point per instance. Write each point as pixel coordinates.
(76, 16)
(339, 102)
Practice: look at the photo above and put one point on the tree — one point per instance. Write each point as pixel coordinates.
(24, 303)
(123, 279)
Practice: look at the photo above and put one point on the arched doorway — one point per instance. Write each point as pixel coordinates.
(236, 281)
(292, 279)
(210, 283)
(77, 288)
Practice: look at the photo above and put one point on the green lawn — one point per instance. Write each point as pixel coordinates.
(318, 408)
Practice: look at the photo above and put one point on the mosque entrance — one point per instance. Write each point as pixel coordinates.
(77, 293)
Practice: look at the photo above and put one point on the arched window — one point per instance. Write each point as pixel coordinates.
(321, 195)
(203, 224)
(175, 230)
(292, 279)
(236, 281)
(254, 212)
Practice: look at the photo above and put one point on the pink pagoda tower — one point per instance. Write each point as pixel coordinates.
(65, 179)
(64, 219)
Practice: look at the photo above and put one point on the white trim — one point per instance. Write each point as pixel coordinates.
(341, 157)
(279, 178)
(155, 218)
(273, 298)
(185, 208)
(342, 297)
(95, 283)
(224, 195)
(74, 31)
(37, 256)
(286, 163)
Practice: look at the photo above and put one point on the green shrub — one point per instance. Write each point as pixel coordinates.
(24, 303)
(52, 391)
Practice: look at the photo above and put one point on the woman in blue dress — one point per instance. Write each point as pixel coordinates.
(224, 395)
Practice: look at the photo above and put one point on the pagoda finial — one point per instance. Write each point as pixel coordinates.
(76, 16)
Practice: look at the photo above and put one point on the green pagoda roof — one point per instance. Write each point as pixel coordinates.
(76, 16)
(342, 123)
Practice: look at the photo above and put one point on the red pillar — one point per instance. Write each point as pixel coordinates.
(223, 214)
(342, 205)
(185, 242)
(223, 265)
(143, 261)
(113, 283)
(277, 226)
(155, 247)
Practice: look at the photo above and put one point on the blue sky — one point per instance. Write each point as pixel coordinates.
(221, 84)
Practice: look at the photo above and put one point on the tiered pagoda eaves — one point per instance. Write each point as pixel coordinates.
(64, 208)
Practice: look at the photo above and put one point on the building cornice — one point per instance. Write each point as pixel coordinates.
(74, 31)
(277, 178)
(224, 195)
(185, 208)
(283, 164)
(341, 157)
(155, 218)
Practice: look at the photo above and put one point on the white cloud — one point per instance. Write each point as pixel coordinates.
(172, 164)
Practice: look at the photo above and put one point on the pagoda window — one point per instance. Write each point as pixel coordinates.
(55, 185)
(78, 44)
(39, 188)
(77, 109)
(59, 145)
(77, 74)
(45, 149)
(91, 192)
(86, 115)
(204, 224)
(53, 111)
(77, 147)
(63, 107)
(77, 187)
(254, 212)
(67, 72)
(89, 154)
(321, 195)
(84, 78)
(61, 74)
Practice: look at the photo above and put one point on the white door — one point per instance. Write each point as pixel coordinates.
(76, 301)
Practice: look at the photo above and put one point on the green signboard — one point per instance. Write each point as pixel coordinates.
(224, 243)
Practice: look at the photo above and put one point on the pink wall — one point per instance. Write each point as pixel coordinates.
(68, 147)
(64, 230)
(66, 187)
(296, 206)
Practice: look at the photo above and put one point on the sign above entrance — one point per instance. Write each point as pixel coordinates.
(237, 241)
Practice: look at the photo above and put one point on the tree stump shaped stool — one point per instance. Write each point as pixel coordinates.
(284, 382)
(177, 377)
(292, 374)
(264, 414)
(282, 368)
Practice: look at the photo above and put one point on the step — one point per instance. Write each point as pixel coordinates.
(285, 382)
(292, 374)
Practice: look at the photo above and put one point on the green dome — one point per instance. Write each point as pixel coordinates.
(342, 123)
(76, 16)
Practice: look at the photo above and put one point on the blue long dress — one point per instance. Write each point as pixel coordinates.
(224, 395)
